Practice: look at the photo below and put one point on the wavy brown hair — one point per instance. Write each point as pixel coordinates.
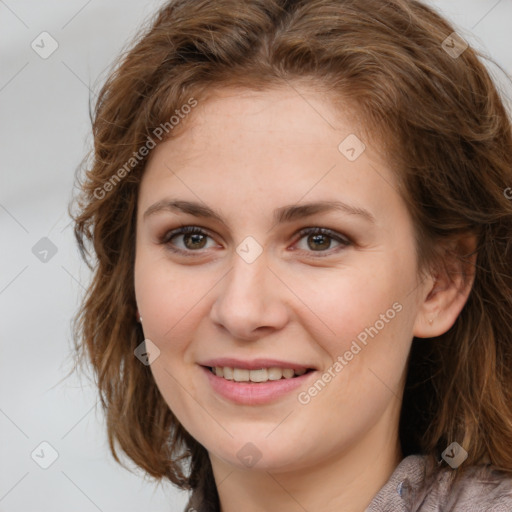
(444, 129)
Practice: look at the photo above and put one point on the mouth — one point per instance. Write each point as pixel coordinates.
(259, 383)
(257, 376)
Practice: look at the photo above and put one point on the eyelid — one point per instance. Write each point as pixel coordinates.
(324, 231)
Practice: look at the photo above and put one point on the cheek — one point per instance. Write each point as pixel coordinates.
(346, 304)
(365, 330)
(170, 304)
(165, 297)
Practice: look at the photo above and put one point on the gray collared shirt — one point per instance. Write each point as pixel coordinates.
(482, 489)
(409, 489)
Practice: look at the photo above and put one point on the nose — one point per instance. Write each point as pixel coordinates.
(251, 300)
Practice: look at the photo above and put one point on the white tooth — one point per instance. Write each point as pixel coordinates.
(240, 375)
(258, 375)
(227, 373)
(300, 372)
(219, 371)
(274, 373)
(288, 373)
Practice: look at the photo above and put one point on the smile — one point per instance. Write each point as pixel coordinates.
(258, 375)
(260, 386)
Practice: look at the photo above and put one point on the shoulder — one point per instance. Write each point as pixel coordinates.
(415, 486)
(481, 489)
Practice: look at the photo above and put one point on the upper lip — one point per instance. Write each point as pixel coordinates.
(254, 364)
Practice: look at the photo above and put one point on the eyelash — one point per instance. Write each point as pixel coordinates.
(184, 230)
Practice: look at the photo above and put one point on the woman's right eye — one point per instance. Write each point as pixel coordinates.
(193, 239)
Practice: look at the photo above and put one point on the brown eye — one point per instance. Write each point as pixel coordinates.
(320, 239)
(192, 238)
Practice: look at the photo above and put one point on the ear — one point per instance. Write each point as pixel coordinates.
(446, 291)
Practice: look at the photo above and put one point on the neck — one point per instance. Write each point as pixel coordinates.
(346, 481)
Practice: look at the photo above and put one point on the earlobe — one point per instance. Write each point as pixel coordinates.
(424, 325)
(447, 292)
(440, 310)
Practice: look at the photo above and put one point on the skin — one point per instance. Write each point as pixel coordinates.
(244, 154)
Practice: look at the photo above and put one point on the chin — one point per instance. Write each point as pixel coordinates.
(265, 455)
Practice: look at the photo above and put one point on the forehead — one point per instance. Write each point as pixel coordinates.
(282, 144)
(298, 116)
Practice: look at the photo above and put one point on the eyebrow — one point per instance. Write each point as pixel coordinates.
(281, 215)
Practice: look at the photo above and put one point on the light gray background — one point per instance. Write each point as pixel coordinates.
(44, 133)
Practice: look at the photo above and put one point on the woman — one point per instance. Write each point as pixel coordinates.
(302, 298)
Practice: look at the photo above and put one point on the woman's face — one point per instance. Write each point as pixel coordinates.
(254, 289)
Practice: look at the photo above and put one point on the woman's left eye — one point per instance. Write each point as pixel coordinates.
(194, 239)
(321, 238)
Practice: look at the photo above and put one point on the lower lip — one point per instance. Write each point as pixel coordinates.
(247, 393)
